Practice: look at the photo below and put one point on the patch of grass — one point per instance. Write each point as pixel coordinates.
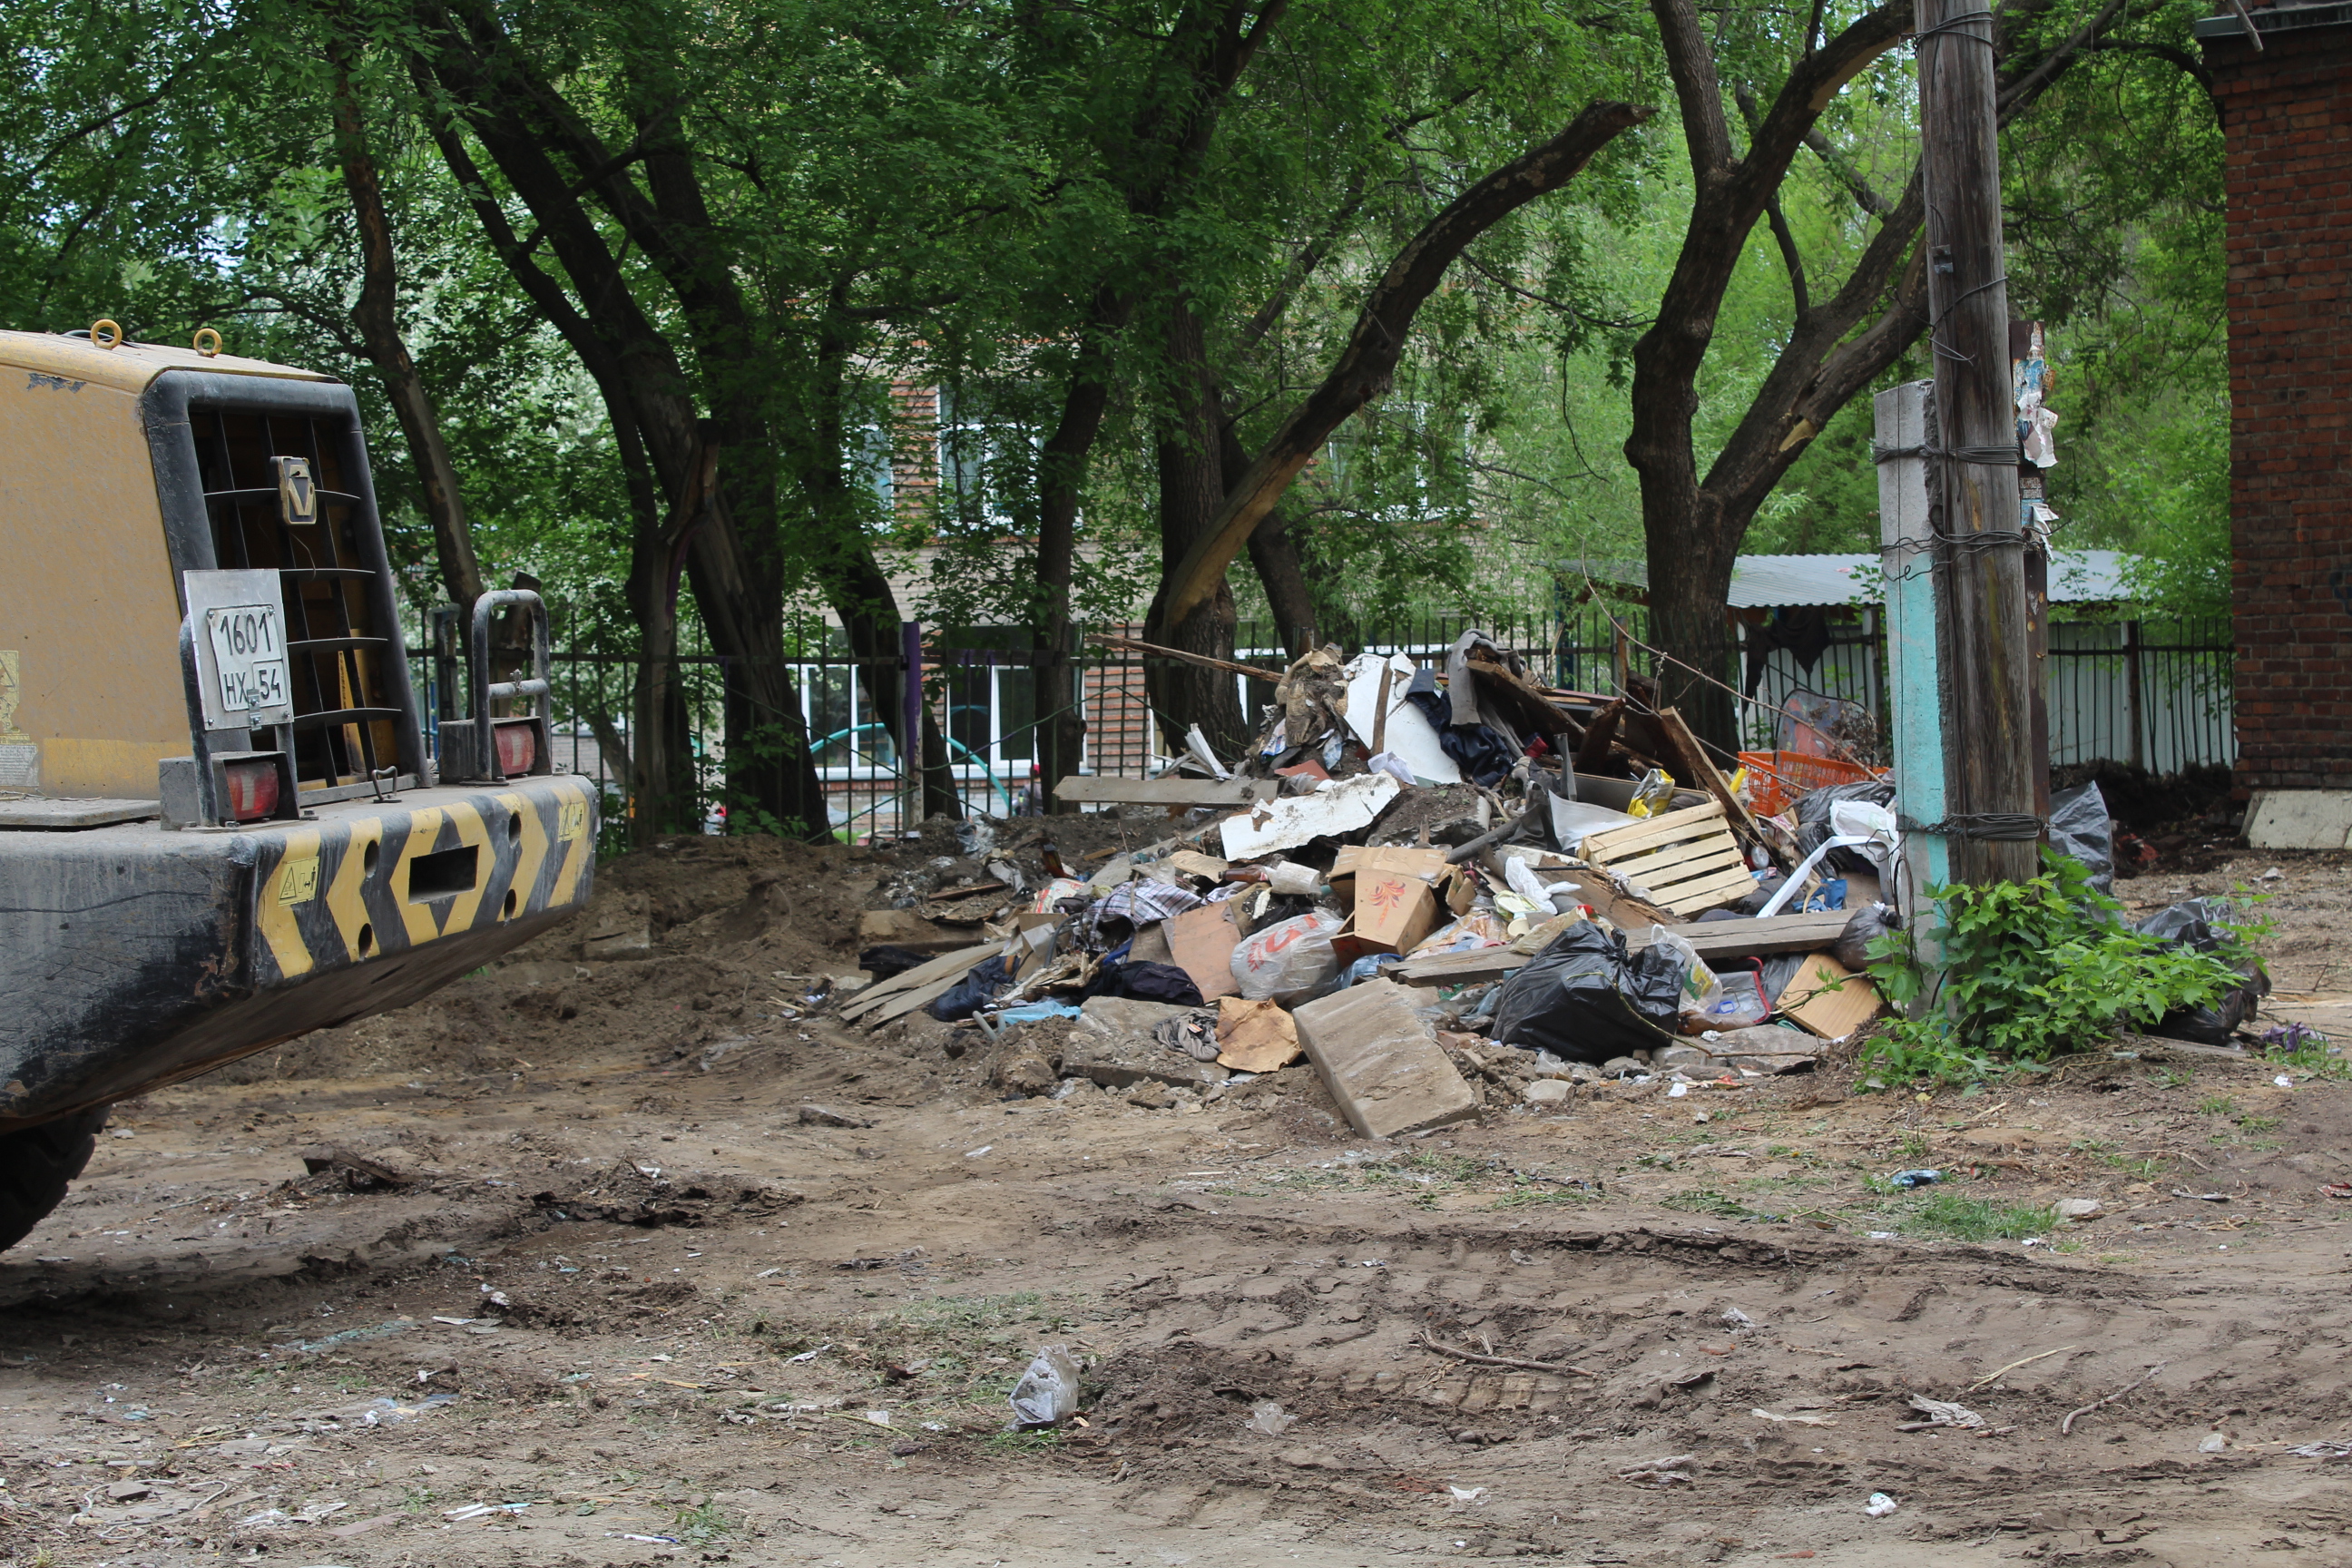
(965, 1315)
(1713, 1204)
(1043, 1441)
(2217, 1105)
(1913, 1146)
(2259, 1123)
(1962, 1218)
(2172, 1078)
(417, 1499)
(706, 1522)
(1531, 1195)
(2146, 1168)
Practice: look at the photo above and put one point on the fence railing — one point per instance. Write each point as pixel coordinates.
(2155, 695)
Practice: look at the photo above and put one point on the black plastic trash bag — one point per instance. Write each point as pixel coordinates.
(2079, 829)
(1862, 927)
(978, 987)
(1585, 999)
(890, 963)
(1813, 822)
(2196, 923)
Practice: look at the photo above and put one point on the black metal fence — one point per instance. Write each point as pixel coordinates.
(2155, 695)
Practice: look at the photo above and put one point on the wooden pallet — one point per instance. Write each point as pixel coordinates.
(1686, 861)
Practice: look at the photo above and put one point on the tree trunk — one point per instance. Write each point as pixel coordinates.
(1191, 491)
(525, 126)
(1834, 349)
(376, 316)
(1366, 366)
(1061, 482)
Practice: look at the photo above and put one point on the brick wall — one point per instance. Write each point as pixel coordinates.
(2287, 121)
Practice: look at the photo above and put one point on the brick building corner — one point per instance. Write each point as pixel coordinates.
(2287, 117)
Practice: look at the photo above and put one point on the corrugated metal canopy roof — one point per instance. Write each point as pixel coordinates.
(1779, 582)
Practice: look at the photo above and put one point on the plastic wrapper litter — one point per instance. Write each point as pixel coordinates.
(1586, 999)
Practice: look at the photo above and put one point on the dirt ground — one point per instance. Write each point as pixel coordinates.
(638, 1308)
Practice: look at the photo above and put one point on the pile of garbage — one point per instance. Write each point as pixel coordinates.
(1440, 883)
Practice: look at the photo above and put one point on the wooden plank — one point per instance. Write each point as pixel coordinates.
(1761, 939)
(1594, 753)
(1832, 1015)
(946, 965)
(1479, 964)
(1095, 790)
(1650, 832)
(1709, 848)
(1680, 740)
(1706, 869)
(1697, 898)
(921, 997)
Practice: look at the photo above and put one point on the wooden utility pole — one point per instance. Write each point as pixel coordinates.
(1973, 492)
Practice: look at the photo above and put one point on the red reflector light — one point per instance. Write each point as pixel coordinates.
(252, 789)
(518, 746)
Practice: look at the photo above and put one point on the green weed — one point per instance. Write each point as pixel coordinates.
(1973, 1219)
(705, 1521)
(1043, 1441)
(2217, 1105)
(2032, 968)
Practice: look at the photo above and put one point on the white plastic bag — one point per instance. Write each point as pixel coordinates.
(1047, 1393)
(1866, 819)
(1288, 958)
(1529, 885)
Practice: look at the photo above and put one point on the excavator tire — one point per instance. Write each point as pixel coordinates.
(37, 1164)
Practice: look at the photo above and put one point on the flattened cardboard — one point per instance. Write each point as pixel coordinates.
(1832, 1015)
(1254, 1036)
(1201, 943)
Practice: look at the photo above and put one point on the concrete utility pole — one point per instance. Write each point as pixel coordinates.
(1989, 824)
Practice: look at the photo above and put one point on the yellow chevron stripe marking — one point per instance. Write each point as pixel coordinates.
(423, 832)
(295, 882)
(577, 846)
(343, 900)
(530, 853)
(466, 905)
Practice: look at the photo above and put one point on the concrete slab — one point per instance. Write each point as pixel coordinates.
(1382, 1062)
(2300, 819)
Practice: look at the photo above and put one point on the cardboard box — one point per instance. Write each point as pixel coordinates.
(1395, 897)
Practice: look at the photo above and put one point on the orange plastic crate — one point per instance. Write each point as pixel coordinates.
(1776, 779)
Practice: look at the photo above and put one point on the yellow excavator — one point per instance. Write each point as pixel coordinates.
(220, 826)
